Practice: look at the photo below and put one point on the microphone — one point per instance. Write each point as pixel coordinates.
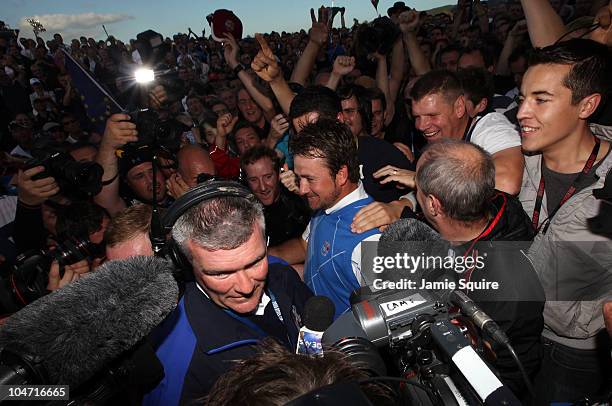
(71, 334)
(480, 318)
(456, 346)
(318, 316)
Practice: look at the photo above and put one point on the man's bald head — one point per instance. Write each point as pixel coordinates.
(192, 161)
(459, 174)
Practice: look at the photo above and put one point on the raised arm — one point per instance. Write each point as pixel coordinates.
(265, 66)
(118, 132)
(343, 65)
(544, 24)
(396, 75)
(409, 23)
(512, 41)
(230, 51)
(317, 37)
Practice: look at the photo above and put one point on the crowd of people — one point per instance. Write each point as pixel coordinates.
(490, 123)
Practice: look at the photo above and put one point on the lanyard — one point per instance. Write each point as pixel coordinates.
(467, 135)
(485, 233)
(535, 219)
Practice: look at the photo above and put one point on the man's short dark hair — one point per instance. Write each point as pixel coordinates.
(276, 376)
(591, 66)
(477, 84)
(79, 219)
(258, 152)
(320, 99)
(447, 50)
(437, 81)
(330, 140)
(243, 124)
(487, 55)
(364, 103)
(375, 93)
(461, 175)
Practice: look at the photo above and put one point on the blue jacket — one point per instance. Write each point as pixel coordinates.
(199, 341)
(328, 270)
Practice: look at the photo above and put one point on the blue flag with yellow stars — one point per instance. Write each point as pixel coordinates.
(98, 102)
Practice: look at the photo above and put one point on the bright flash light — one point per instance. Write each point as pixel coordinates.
(144, 75)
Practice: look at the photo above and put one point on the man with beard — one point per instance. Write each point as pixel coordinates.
(325, 157)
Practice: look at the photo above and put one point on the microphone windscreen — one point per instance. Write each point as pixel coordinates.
(409, 238)
(79, 329)
(409, 230)
(319, 313)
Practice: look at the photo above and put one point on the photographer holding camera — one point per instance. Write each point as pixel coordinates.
(136, 165)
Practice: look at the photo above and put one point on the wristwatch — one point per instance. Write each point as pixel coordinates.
(238, 68)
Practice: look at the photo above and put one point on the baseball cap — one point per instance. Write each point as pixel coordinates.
(50, 125)
(224, 21)
(34, 81)
(131, 156)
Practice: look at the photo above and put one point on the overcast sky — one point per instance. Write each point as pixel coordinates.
(126, 18)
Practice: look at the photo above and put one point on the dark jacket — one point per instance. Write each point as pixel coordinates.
(518, 303)
(200, 341)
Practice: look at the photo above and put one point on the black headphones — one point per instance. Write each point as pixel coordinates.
(194, 196)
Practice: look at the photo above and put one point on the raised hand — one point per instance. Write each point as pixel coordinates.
(343, 65)
(119, 131)
(264, 64)
(279, 125)
(289, 180)
(225, 125)
(409, 21)
(35, 192)
(319, 31)
(230, 50)
(176, 186)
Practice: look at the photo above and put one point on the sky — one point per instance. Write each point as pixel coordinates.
(126, 18)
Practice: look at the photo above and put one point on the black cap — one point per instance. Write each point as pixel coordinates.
(398, 7)
(131, 156)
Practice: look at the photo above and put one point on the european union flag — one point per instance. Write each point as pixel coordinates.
(98, 102)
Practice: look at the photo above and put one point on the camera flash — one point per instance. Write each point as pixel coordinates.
(144, 75)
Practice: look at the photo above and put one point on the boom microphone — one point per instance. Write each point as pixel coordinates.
(480, 318)
(74, 332)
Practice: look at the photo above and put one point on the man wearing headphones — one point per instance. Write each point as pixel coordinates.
(237, 297)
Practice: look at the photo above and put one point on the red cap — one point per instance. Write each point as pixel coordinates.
(224, 21)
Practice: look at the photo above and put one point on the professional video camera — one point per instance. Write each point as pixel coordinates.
(28, 279)
(72, 177)
(423, 338)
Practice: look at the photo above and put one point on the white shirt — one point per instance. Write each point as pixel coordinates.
(494, 132)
